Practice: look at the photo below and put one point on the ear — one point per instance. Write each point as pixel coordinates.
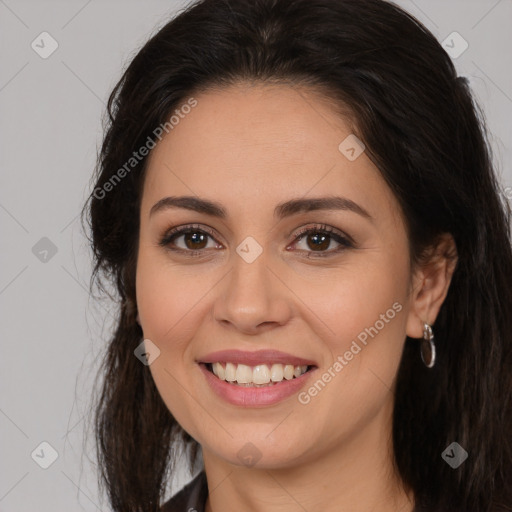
(430, 283)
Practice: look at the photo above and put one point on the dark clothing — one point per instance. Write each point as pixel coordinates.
(192, 498)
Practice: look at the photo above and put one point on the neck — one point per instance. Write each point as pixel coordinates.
(357, 476)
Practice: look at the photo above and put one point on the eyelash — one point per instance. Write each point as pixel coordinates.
(344, 241)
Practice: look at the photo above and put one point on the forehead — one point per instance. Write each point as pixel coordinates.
(257, 120)
(270, 141)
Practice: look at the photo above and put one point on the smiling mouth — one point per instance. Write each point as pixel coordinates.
(262, 375)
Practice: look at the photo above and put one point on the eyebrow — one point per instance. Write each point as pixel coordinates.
(281, 211)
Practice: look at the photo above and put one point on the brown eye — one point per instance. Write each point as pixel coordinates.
(189, 239)
(319, 239)
(195, 240)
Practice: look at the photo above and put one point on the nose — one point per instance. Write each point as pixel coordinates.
(252, 298)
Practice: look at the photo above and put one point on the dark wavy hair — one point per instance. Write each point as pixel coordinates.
(427, 135)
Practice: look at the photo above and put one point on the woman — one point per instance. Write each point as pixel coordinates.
(296, 202)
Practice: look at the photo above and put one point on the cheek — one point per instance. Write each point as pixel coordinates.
(362, 314)
(168, 299)
(169, 302)
(355, 298)
(355, 385)
(367, 300)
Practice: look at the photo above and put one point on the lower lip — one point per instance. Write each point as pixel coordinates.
(253, 396)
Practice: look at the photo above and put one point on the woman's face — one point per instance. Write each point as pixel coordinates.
(337, 302)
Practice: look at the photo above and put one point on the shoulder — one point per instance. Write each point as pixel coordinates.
(190, 498)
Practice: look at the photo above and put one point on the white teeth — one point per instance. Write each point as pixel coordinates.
(276, 373)
(230, 372)
(288, 372)
(243, 374)
(261, 374)
(258, 375)
(219, 370)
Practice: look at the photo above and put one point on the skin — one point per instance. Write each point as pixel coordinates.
(249, 148)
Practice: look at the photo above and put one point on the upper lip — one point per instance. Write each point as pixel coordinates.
(255, 358)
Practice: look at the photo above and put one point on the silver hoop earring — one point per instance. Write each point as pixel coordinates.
(428, 347)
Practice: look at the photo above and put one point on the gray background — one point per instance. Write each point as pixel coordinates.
(50, 128)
